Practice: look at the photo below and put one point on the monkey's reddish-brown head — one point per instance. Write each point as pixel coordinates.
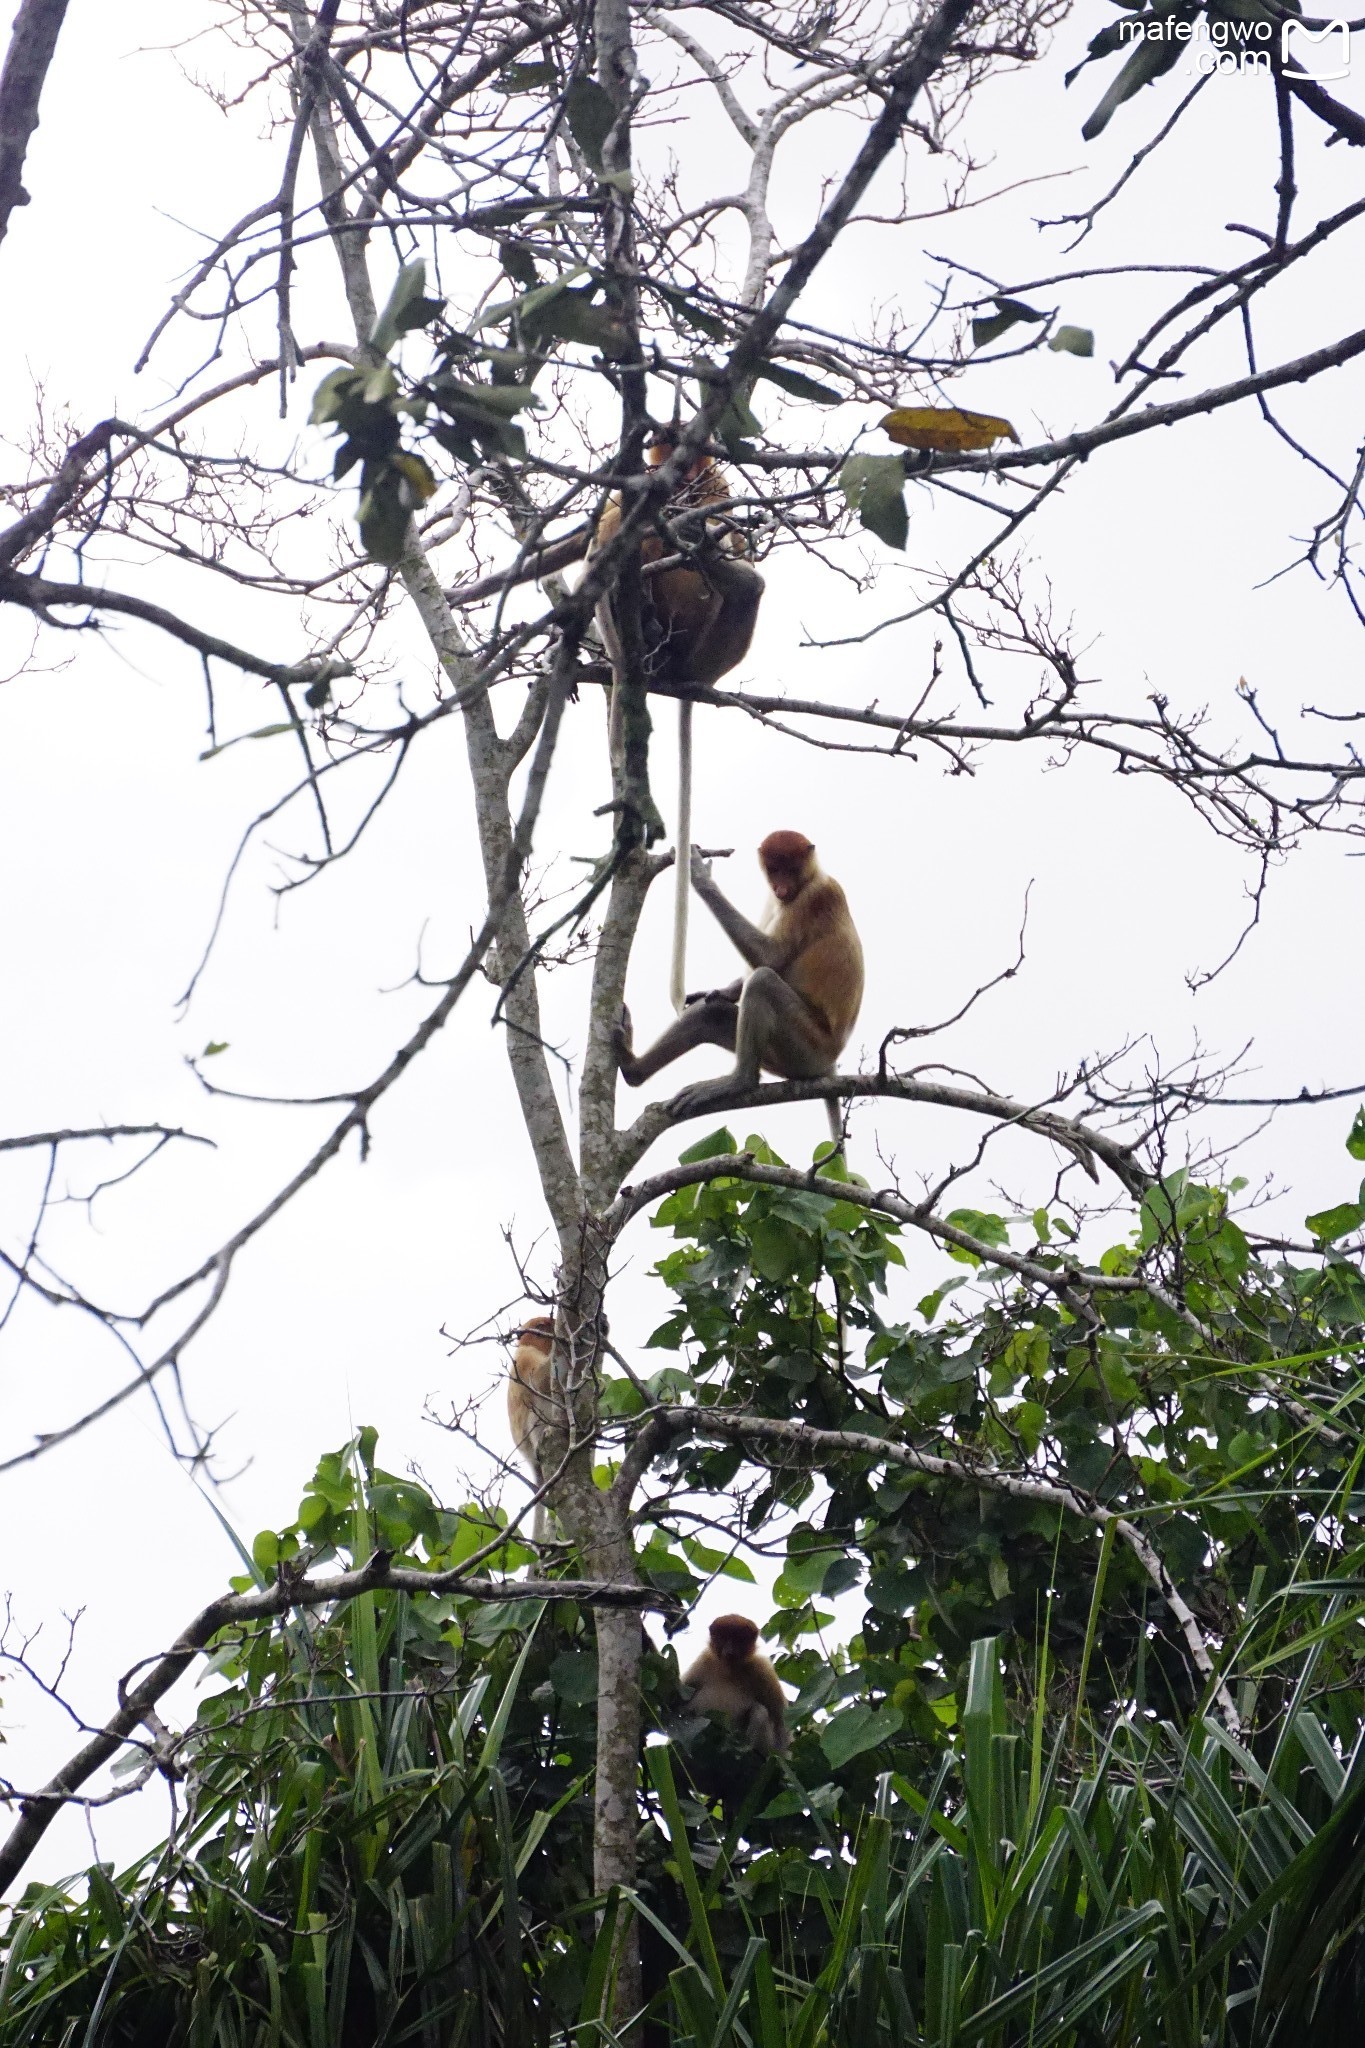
(660, 446)
(538, 1330)
(787, 858)
(733, 1637)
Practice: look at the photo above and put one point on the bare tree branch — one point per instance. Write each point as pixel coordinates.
(32, 44)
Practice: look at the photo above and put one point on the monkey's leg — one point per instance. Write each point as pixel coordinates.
(775, 1029)
(779, 1032)
(712, 1021)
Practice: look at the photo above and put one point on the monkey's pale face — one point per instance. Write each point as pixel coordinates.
(784, 883)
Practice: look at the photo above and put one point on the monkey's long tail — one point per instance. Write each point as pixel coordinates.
(682, 860)
(836, 1122)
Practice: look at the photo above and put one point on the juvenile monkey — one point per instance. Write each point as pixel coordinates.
(698, 620)
(734, 1678)
(793, 1013)
(531, 1407)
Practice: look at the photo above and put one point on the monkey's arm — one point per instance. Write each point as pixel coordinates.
(752, 945)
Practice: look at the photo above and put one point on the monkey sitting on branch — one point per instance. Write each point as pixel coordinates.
(531, 1405)
(732, 1677)
(793, 1013)
(697, 621)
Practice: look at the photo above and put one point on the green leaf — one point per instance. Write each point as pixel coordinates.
(857, 1729)
(273, 731)
(383, 517)
(331, 395)
(408, 307)
(806, 1570)
(456, 442)
(874, 486)
(1330, 1224)
(574, 318)
(1151, 59)
(844, 1573)
(492, 402)
(686, 309)
(929, 1305)
(738, 422)
(980, 1224)
(531, 304)
(213, 1048)
(893, 1591)
(379, 386)
(105, 1899)
(620, 1397)
(517, 261)
(777, 1249)
(1009, 314)
(524, 77)
(735, 1568)
(1355, 1137)
(708, 1148)
(573, 1675)
(1073, 341)
(591, 115)
(702, 1555)
(1029, 1419)
(800, 386)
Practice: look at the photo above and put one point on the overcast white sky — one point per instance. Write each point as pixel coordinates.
(114, 838)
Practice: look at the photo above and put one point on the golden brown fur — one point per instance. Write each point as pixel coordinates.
(531, 1406)
(792, 1014)
(818, 952)
(698, 622)
(734, 1678)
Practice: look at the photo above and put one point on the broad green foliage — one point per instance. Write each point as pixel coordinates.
(1255, 1508)
(365, 1798)
(1007, 1816)
(1164, 1891)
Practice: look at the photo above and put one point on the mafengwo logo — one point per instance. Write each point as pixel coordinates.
(1322, 53)
(1316, 49)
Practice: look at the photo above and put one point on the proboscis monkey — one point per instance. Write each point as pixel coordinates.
(698, 620)
(734, 1678)
(792, 1014)
(531, 1408)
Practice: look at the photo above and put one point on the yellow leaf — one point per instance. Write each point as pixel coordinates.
(945, 429)
(418, 475)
